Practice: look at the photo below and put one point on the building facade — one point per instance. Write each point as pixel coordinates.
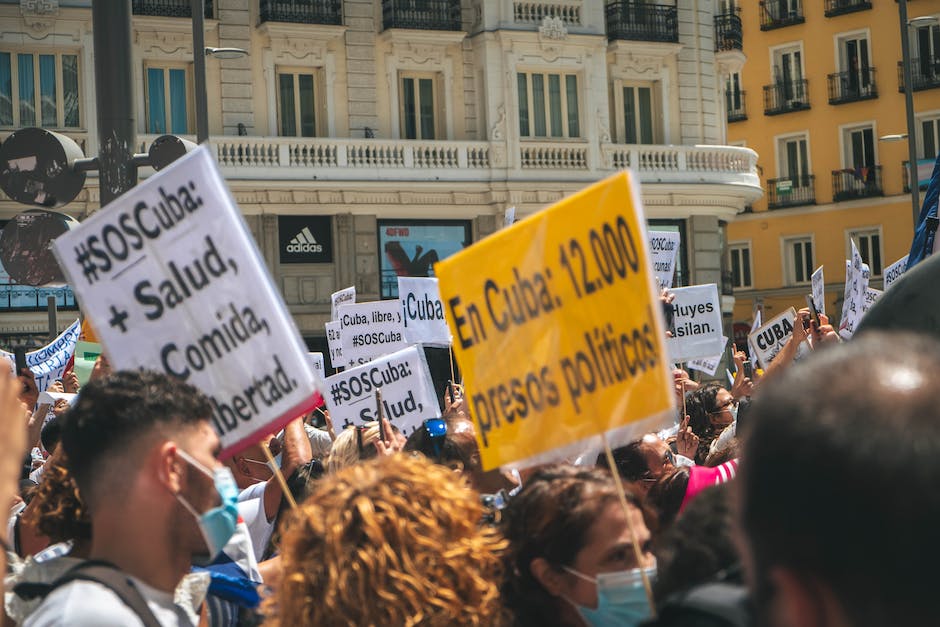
(822, 83)
(356, 131)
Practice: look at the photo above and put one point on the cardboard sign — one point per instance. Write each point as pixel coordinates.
(767, 341)
(370, 330)
(895, 271)
(343, 297)
(170, 276)
(819, 290)
(407, 392)
(664, 246)
(709, 365)
(334, 342)
(698, 326)
(48, 363)
(316, 362)
(558, 329)
(86, 354)
(422, 312)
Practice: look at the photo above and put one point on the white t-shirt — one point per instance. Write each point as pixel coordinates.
(86, 603)
(251, 510)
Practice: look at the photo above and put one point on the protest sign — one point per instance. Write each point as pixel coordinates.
(767, 341)
(697, 332)
(343, 297)
(819, 290)
(664, 246)
(422, 312)
(316, 362)
(407, 392)
(871, 295)
(558, 328)
(370, 330)
(48, 363)
(86, 354)
(853, 295)
(334, 341)
(709, 365)
(50, 398)
(895, 271)
(162, 274)
(754, 327)
(509, 218)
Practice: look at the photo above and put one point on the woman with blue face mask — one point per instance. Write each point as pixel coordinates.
(571, 559)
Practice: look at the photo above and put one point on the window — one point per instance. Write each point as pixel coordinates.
(859, 147)
(929, 137)
(733, 91)
(927, 46)
(548, 105)
(741, 265)
(296, 103)
(169, 94)
(418, 106)
(788, 73)
(868, 243)
(39, 90)
(798, 253)
(793, 160)
(638, 114)
(854, 63)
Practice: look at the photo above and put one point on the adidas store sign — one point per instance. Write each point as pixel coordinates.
(305, 239)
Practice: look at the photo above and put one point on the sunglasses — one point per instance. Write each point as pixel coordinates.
(436, 428)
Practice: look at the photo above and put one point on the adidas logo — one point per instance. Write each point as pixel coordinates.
(304, 242)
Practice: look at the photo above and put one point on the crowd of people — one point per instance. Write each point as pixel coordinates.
(800, 498)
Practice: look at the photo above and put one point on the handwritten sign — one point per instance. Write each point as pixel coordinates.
(767, 341)
(558, 328)
(819, 290)
(345, 296)
(48, 363)
(370, 330)
(871, 295)
(407, 391)
(162, 274)
(422, 312)
(316, 362)
(853, 296)
(335, 343)
(895, 271)
(709, 365)
(697, 331)
(664, 247)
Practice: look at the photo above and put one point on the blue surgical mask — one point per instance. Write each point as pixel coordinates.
(218, 523)
(621, 598)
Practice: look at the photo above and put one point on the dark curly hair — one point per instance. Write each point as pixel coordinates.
(60, 513)
(699, 404)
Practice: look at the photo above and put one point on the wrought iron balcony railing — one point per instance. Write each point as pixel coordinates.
(168, 8)
(736, 105)
(421, 14)
(860, 182)
(780, 13)
(841, 7)
(786, 96)
(925, 73)
(728, 31)
(632, 20)
(791, 191)
(302, 11)
(852, 86)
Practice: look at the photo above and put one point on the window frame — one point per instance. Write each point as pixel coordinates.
(436, 86)
(789, 261)
(741, 246)
(530, 104)
(37, 88)
(620, 106)
(166, 66)
(845, 143)
(868, 231)
(780, 154)
(316, 74)
(921, 119)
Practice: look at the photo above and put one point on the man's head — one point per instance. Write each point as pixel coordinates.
(641, 462)
(838, 486)
(250, 466)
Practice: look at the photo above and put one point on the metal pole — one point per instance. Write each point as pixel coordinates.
(199, 70)
(909, 107)
(53, 318)
(114, 97)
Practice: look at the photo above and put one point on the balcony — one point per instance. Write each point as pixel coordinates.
(533, 12)
(841, 7)
(302, 11)
(638, 21)
(421, 14)
(791, 191)
(852, 86)
(780, 13)
(728, 31)
(925, 73)
(736, 106)
(786, 96)
(924, 172)
(852, 183)
(168, 8)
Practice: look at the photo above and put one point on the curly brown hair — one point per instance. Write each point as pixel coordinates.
(60, 513)
(391, 541)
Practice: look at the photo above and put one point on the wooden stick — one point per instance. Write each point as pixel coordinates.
(280, 476)
(381, 415)
(450, 358)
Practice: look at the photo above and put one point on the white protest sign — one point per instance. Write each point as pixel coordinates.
(697, 323)
(767, 341)
(50, 398)
(335, 343)
(853, 296)
(48, 363)
(162, 271)
(316, 362)
(710, 364)
(664, 246)
(819, 290)
(370, 330)
(509, 217)
(754, 327)
(895, 271)
(407, 391)
(422, 312)
(343, 297)
(871, 295)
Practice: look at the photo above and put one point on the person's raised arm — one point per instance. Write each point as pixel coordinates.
(295, 453)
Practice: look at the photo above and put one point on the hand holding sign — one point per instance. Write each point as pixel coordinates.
(686, 441)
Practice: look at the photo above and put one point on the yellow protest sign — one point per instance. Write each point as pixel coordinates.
(558, 328)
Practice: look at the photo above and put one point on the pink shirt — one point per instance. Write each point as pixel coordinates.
(701, 477)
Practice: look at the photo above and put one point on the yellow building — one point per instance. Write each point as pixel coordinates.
(819, 87)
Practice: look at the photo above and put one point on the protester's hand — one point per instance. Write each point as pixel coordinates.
(61, 406)
(396, 443)
(70, 382)
(56, 386)
(329, 424)
(30, 391)
(459, 405)
(739, 358)
(666, 296)
(101, 368)
(825, 336)
(686, 441)
(12, 433)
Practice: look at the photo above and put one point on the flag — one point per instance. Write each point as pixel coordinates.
(926, 228)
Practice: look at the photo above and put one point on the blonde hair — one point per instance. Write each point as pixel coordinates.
(345, 449)
(391, 541)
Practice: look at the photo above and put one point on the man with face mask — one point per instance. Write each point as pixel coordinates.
(144, 455)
